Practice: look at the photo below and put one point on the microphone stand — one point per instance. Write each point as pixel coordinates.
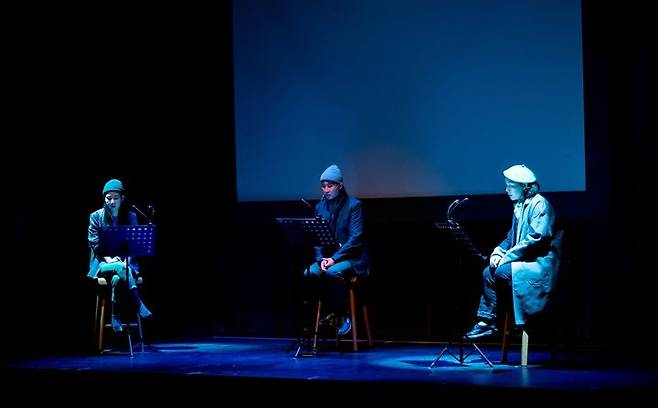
(457, 233)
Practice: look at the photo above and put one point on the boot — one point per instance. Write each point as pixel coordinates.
(345, 326)
(116, 323)
(144, 313)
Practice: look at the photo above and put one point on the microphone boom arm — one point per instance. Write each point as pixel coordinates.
(453, 206)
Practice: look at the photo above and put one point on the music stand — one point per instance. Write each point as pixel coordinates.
(301, 231)
(128, 241)
(307, 231)
(453, 230)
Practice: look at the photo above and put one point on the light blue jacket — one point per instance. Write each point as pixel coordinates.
(533, 248)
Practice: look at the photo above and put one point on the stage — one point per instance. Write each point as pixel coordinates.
(268, 369)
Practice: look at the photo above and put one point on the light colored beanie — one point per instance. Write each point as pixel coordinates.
(332, 173)
(113, 185)
(519, 173)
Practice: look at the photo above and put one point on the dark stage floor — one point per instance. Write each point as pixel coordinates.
(226, 365)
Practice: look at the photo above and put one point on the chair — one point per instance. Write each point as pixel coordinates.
(102, 298)
(353, 285)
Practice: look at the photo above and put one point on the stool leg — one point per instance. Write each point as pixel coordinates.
(101, 326)
(355, 341)
(366, 320)
(524, 348)
(140, 332)
(317, 326)
(507, 329)
(98, 301)
(130, 342)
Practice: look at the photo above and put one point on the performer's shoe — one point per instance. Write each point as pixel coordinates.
(345, 326)
(116, 324)
(481, 329)
(144, 313)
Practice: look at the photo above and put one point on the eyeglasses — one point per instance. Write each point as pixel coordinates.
(329, 185)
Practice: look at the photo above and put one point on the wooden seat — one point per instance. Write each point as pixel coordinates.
(102, 299)
(508, 327)
(353, 288)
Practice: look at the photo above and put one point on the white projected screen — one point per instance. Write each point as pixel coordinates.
(410, 98)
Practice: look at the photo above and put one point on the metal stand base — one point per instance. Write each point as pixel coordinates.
(461, 358)
(303, 347)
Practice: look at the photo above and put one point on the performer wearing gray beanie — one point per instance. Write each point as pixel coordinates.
(113, 268)
(345, 217)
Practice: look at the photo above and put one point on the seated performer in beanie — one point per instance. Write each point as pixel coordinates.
(526, 261)
(113, 268)
(345, 218)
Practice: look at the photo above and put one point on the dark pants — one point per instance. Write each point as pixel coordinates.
(330, 286)
(495, 282)
(115, 272)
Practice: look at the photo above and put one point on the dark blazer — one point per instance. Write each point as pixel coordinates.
(345, 218)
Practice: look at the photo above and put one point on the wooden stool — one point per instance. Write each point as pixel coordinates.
(352, 287)
(99, 320)
(507, 331)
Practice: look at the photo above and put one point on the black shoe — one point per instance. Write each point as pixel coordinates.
(481, 329)
(345, 327)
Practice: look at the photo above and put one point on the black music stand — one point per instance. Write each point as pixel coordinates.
(453, 230)
(128, 241)
(314, 232)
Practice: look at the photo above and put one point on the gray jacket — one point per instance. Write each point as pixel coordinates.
(533, 248)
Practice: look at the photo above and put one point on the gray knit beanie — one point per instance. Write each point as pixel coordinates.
(332, 173)
(113, 185)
